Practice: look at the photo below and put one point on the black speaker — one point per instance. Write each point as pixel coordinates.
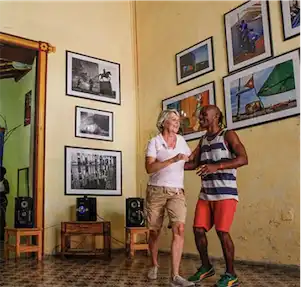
(134, 212)
(23, 212)
(86, 209)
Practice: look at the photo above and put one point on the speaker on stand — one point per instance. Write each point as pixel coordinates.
(23, 212)
(86, 209)
(135, 212)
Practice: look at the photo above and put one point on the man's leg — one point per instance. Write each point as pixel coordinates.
(202, 223)
(223, 217)
(228, 250)
(202, 245)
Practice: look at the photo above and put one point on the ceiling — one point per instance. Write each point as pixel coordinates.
(10, 54)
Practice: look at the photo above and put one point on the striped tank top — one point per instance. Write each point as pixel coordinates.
(221, 184)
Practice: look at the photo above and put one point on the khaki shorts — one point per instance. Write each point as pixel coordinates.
(157, 199)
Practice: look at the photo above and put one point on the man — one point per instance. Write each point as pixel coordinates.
(218, 155)
(4, 190)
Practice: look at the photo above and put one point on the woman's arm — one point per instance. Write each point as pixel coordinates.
(152, 165)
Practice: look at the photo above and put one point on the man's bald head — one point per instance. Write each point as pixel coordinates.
(210, 115)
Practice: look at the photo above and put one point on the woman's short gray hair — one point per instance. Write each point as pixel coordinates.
(164, 115)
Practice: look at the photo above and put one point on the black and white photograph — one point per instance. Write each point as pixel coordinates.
(92, 171)
(290, 11)
(93, 124)
(92, 78)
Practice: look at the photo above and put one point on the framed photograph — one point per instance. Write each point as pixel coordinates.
(92, 78)
(195, 61)
(248, 34)
(94, 172)
(290, 11)
(27, 109)
(93, 124)
(267, 92)
(189, 105)
(23, 182)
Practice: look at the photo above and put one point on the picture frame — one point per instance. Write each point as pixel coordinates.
(93, 124)
(290, 13)
(189, 105)
(90, 171)
(263, 93)
(23, 182)
(248, 35)
(92, 78)
(195, 61)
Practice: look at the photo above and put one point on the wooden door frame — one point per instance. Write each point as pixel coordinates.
(42, 49)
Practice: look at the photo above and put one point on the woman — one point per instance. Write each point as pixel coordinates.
(165, 158)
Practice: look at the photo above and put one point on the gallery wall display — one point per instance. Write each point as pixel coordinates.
(195, 61)
(189, 105)
(93, 124)
(266, 92)
(290, 11)
(92, 78)
(248, 34)
(89, 171)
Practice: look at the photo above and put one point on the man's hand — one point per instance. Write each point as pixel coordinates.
(207, 169)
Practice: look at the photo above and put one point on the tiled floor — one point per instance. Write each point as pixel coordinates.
(123, 272)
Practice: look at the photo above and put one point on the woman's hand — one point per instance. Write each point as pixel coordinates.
(180, 156)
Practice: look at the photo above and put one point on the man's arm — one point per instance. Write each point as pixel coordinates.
(194, 158)
(6, 186)
(235, 145)
(238, 149)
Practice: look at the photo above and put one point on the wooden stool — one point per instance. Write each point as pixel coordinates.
(131, 236)
(19, 248)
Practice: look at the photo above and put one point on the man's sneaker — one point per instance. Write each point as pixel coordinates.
(202, 273)
(152, 273)
(227, 280)
(178, 281)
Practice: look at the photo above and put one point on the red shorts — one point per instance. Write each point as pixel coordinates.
(219, 213)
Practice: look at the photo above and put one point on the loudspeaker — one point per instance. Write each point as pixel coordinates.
(134, 212)
(23, 212)
(86, 209)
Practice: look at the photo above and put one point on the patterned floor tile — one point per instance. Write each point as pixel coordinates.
(124, 272)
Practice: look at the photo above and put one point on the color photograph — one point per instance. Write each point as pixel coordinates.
(189, 106)
(195, 61)
(248, 34)
(266, 92)
(291, 18)
(92, 78)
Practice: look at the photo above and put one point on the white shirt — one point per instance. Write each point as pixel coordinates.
(172, 175)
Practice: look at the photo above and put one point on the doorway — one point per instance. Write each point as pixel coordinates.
(23, 67)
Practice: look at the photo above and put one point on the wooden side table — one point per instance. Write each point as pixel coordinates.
(92, 228)
(19, 248)
(131, 236)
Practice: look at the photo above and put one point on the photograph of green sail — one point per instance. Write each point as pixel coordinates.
(266, 92)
